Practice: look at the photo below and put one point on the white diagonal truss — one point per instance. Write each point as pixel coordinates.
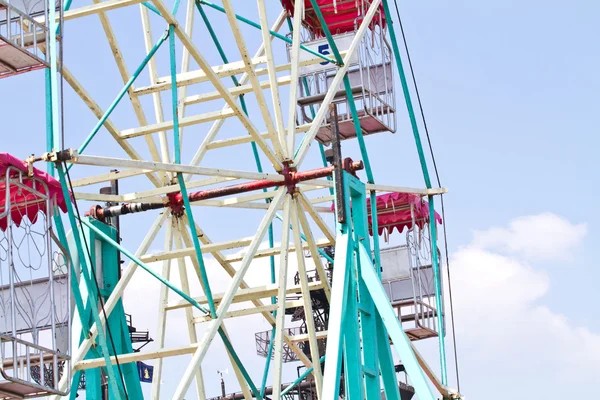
(213, 157)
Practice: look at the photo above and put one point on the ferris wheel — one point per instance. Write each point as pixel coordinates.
(245, 110)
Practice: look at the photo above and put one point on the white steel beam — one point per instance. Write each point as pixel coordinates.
(92, 180)
(281, 295)
(235, 91)
(243, 312)
(246, 139)
(260, 98)
(183, 122)
(295, 60)
(92, 9)
(163, 300)
(306, 203)
(247, 293)
(273, 81)
(306, 297)
(133, 357)
(189, 315)
(221, 71)
(314, 251)
(276, 250)
(156, 166)
(185, 235)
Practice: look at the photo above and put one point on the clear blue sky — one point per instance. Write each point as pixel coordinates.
(510, 90)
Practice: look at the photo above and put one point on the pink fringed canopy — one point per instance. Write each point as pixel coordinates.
(394, 212)
(340, 15)
(23, 202)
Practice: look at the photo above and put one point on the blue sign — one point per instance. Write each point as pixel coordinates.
(145, 371)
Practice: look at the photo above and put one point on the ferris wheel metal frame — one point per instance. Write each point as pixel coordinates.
(356, 289)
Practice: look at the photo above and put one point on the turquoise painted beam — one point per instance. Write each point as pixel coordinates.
(151, 7)
(182, 186)
(299, 379)
(140, 263)
(120, 95)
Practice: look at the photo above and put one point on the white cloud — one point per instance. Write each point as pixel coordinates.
(543, 237)
(509, 341)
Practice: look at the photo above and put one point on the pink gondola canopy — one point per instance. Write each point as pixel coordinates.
(394, 212)
(22, 202)
(341, 16)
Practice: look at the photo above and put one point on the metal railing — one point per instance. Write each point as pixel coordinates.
(35, 292)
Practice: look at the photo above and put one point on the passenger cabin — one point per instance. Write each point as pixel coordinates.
(24, 33)
(406, 270)
(370, 73)
(35, 292)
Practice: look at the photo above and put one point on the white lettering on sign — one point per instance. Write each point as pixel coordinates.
(322, 46)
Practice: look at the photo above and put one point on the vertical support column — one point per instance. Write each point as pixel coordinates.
(91, 289)
(368, 315)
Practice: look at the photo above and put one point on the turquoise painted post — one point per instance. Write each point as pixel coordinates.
(422, 160)
(368, 315)
(49, 131)
(116, 320)
(116, 390)
(353, 371)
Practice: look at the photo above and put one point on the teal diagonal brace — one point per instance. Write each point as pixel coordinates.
(273, 33)
(394, 328)
(116, 101)
(102, 236)
(182, 186)
(116, 390)
(299, 379)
